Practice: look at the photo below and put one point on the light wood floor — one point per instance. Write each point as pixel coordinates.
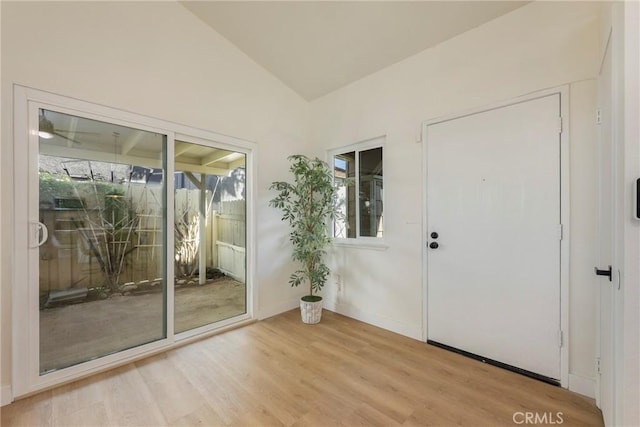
(282, 372)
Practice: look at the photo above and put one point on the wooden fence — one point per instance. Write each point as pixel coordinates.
(69, 258)
(231, 241)
(187, 202)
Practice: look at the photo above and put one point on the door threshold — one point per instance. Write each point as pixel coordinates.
(492, 362)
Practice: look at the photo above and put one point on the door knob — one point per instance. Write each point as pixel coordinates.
(434, 235)
(604, 273)
(433, 245)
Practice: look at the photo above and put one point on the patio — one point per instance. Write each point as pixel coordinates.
(74, 333)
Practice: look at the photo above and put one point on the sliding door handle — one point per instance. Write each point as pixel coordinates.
(40, 239)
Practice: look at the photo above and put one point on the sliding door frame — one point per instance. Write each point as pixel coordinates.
(207, 139)
(26, 378)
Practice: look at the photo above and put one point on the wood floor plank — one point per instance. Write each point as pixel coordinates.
(173, 392)
(128, 400)
(204, 415)
(94, 415)
(76, 396)
(368, 416)
(280, 372)
(33, 411)
(219, 391)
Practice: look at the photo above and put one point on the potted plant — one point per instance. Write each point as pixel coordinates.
(307, 204)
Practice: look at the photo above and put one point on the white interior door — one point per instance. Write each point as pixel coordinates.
(493, 198)
(605, 374)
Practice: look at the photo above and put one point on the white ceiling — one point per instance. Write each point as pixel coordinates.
(316, 47)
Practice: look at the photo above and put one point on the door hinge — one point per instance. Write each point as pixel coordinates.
(560, 338)
(598, 116)
(559, 124)
(598, 371)
(560, 231)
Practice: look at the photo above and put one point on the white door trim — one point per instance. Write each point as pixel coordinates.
(563, 91)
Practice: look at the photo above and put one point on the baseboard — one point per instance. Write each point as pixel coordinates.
(5, 395)
(583, 385)
(348, 310)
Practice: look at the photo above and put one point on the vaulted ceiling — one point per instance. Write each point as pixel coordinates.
(316, 47)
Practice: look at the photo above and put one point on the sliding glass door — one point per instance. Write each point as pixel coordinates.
(130, 235)
(101, 238)
(210, 235)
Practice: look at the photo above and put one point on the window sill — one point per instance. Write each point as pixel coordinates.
(360, 244)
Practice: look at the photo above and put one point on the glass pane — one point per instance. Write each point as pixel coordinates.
(371, 192)
(210, 235)
(101, 197)
(344, 170)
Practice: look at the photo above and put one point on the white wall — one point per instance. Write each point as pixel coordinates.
(155, 59)
(541, 45)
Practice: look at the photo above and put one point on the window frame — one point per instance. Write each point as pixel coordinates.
(371, 242)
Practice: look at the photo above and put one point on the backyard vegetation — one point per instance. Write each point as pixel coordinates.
(116, 228)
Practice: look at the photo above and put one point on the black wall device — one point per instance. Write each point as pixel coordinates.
(638, 198)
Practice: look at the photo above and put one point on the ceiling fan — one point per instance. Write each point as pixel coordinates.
(46, 130)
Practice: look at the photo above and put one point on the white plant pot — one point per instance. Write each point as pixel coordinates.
(311, 312)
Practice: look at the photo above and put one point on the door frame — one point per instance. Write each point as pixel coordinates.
(563, 92)
(24, 329)
(610, 47)
(620, 35)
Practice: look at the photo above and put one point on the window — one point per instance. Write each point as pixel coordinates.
(359, 169)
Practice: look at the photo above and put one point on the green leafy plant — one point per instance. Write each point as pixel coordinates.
(55, 186)
(307, 204)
